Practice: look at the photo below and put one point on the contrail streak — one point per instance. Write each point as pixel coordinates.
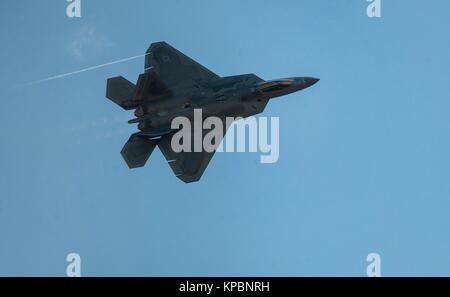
(83, 70)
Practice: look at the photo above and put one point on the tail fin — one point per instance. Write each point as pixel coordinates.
(121, 91)
(137, 150)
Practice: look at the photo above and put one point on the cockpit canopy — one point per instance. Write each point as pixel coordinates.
(275, 85)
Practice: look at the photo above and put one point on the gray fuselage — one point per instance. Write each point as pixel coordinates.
(232, 96)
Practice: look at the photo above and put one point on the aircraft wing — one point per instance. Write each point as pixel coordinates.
(188, 166)
(175, 68)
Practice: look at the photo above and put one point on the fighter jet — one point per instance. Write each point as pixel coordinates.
(174, 85)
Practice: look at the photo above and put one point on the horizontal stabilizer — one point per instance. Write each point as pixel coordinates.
(121, 91)
(137, 150)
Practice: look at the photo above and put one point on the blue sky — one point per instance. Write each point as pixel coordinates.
(364, 154)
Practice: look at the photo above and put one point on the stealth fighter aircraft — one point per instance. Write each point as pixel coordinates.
(174, 85)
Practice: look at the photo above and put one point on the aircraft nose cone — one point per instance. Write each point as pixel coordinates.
(309, 81)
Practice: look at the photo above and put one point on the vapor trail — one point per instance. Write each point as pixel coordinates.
(83, 70)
